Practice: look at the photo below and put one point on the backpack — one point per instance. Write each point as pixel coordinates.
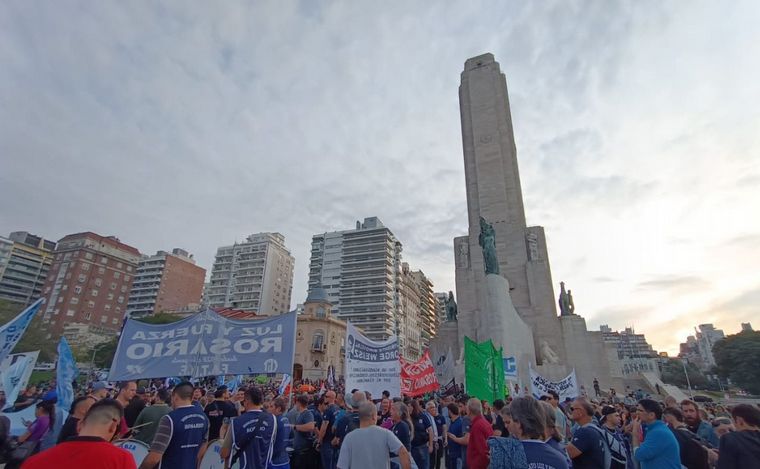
(614, 450)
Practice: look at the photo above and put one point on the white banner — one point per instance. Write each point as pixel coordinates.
(372, 366)
(444, 367)
(567, 387)
(11, 332)
(12, 378)
(23, 380)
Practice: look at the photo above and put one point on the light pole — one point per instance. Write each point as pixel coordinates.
(94, 351)
(688, 382)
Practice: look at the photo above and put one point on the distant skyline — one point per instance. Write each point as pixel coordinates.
(638, 136)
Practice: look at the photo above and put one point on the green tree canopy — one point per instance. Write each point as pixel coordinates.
(738, 357)
(672, 373)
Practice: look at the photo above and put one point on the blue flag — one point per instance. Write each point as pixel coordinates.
(12, 332)
(66, 373)
(12, 378)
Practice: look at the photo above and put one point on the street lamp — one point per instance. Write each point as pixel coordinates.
(688, 382)
(94, 351)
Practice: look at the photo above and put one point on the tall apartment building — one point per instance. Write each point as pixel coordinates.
(440, 306)
(428, 305)
(88, 286)
(360, 270)
(409, 318)
(629, 344)
(255, 275)
(165, 282)
(698, 348)
(25, 261)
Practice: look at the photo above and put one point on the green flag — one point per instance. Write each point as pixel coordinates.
(484, 370)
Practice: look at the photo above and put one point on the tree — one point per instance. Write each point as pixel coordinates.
(672, 373)
(737, 357)
(34, 338)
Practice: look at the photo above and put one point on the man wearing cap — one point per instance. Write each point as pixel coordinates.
(349, 421)
(99, 391)
(616, 442)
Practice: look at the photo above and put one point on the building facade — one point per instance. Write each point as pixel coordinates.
(360, 271)
(428, 307)
(698, 348)
(320, 339)
(25, 261)
(166, 282)
(440, 306)
(255, 275)
(89, 283)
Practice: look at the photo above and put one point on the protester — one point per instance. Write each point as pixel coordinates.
(480, 431)
(696, 424)
(99, 391)
(422, 436)
(135, 406)
(551, 437)
(219, 412)
(127, 391)
(587, 448)
(182, 434)
(280, 458)
(92, 448)
(252, 435)
(304, 454)
(741, 449)
(616, 443)
(660, 449)
(561, 421)
(464, 414)
(438, 425)
(369, 446)
(384, 413)
(454, 438)
(326, 431)
(148, 420)
(29, 441)
(349, 420)
(402, 424)
(693, 452)
(50, 438)
(723, 425)
(526, 422)
(499, 429)
(78, 410)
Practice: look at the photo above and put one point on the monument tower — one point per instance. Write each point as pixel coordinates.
(503, 279)
(494, 194)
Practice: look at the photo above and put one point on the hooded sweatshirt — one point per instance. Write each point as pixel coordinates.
(739, 450)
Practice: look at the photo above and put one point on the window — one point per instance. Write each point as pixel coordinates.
(110, 296)
(82, 277)
(77, 289)
(119, 265)
(67, 256)
(90, 304)
(123, 288)
(68, 276)
(107, 307)
(113, 286)
(101, 270)
(60, 299)
(104, 260)
(317, 340)
(103, 319)
(94, 293)
(70, 312)
(65, 287)
(116, 274)
(88, 255)
(85, 266)
(114, 321)
(98, 282)
(118, 311)
(88, 316)
(74, 300)
(126, 278)
(120, 300)
(129, 268)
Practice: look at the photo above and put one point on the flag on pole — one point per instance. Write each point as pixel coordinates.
(285, 385)
(66, 373)
(484, 370)
(13, 376)
(11, 332)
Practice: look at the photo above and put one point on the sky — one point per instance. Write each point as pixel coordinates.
(170, 124)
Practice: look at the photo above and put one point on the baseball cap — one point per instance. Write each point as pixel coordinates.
(98, 385)
(607, 410)
(50, 396)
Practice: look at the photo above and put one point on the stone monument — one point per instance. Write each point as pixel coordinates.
(513, 273)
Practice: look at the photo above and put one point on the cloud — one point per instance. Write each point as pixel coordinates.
(674, 282)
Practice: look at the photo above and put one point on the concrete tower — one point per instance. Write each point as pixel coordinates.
(494, 193)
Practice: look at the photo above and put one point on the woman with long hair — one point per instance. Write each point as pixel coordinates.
(402, 424)
(29, 441)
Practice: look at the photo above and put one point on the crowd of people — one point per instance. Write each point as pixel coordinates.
(327, 429)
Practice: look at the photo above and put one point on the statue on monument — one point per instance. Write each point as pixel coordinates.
(548, 355)
(451, 308)
(487, 241)
(566, 306)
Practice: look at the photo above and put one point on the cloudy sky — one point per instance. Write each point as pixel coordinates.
(170, 125)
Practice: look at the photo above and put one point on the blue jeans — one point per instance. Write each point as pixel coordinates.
(453, 463)
(326, 452)
(421, 456)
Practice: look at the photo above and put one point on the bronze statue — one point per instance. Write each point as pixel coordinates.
(451, 308)
(487, 241)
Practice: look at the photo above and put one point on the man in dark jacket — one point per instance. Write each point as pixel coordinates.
(693, 451)
(741, 448)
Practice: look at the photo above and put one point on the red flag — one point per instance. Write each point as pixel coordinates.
(418, 378)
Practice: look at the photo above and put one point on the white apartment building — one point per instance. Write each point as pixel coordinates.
(255, 275)
(360, 270)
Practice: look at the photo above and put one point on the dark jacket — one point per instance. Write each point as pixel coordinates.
(739, 450)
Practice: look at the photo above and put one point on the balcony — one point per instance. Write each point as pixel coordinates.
(319, 348)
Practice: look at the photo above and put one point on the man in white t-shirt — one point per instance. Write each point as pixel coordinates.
(369, 446)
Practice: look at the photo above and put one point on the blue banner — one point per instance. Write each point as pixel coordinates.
(510, 367)
(13, 378)
(205, 344)
(65, 374)
(12, 331)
